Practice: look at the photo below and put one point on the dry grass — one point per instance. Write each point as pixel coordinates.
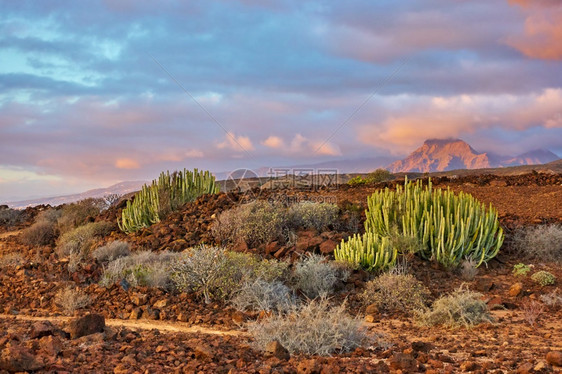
(532, 310)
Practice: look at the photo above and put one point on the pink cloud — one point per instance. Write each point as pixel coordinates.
(541, 37)
(126, 163)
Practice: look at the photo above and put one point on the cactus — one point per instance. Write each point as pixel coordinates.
(370, 251)
(449, 227)
(167, 193)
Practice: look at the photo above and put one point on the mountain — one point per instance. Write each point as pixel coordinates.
(451, 154)
(121, 188)
(537, 156)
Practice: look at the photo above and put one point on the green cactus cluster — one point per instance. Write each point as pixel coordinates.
(369, 251)
(449, 227)
(164, 195)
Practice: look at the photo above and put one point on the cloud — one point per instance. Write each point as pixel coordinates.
(301, 146)
(274, 142)
(420, 118)
(542, 34)
(126, 163)
(237, 143)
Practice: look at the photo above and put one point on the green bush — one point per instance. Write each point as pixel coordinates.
(165, 195)
(521, 269)
(544, 278)
(448, 226)
(462, 308)
(396, 292)
(377, 176)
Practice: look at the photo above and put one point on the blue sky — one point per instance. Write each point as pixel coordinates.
(86, 99)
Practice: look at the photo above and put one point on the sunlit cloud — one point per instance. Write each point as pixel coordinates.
(127, 163)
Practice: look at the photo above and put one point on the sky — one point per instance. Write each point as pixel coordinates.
(97, 92)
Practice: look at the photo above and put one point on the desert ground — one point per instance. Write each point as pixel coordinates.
(115, 325)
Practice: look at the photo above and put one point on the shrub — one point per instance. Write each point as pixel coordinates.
(81, 239)
(111, 251)
(141, 269)
(532, 310)
(259, 294)
(11, 260)
(552, 299)
(309, 215)
(165, 195)
(460, 308)
(11, 217)
(314, 329)
(468, 269)
(214, 273)
(379, 175)
(543, 242)
(544, 278)
(77, 214)
(316, 276)
(356, 181)
(256, 223)
(42, 232)
(521, 269)
(70, 299)
(396, 292)
(450, 227)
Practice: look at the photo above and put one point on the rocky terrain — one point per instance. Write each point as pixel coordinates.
(127, 329)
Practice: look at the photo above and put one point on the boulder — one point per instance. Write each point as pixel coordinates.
(89, 324)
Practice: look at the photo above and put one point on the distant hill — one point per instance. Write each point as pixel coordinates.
(121, 188)
(437, 155)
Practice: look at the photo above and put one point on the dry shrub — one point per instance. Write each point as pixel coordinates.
(41, 232)
(76, 214)
(112, 251)
(552, 299)
(468, 269)
(141, 269)
(315, 275)
(532, 310)
(214, 273)
(543, 242)
(255, 223)
(78, 243)
(259, 294)
(313, 328)
(396, 292)
(462, 308)
(12, 259)
(69, 299)
(310, 215)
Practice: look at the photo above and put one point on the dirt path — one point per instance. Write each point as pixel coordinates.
(136, 324)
